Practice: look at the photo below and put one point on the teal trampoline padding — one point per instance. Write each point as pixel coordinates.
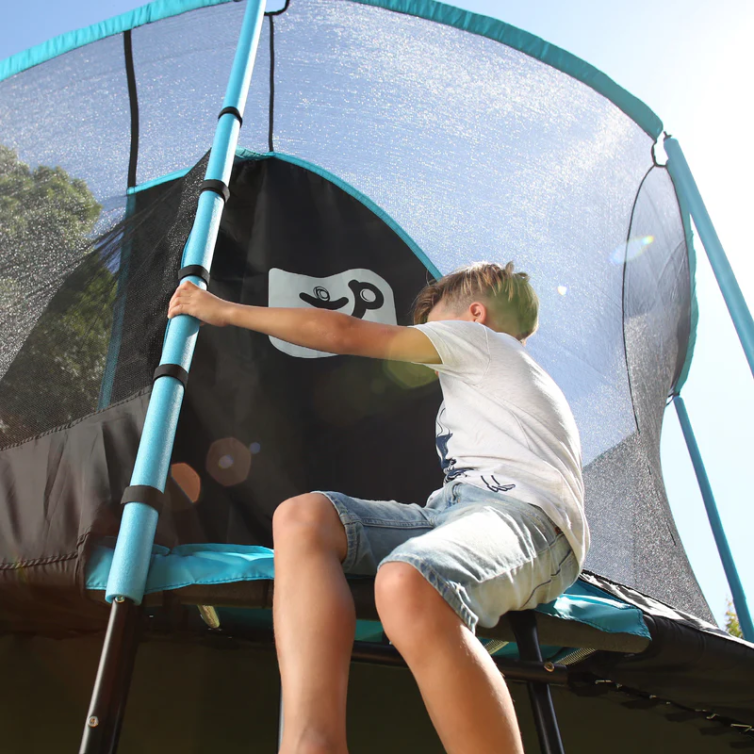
(209, 564)
(520, 40)
(189, 564)
(585, 603)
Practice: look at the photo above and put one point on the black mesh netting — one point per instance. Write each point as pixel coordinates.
(69, 307)
(463, 147)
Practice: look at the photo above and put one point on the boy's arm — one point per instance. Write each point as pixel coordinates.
(318, 329)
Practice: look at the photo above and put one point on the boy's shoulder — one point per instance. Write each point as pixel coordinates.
(471, 350)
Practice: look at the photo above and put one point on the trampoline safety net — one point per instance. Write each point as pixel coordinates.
(378, 147)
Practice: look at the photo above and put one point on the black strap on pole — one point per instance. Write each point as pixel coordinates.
(194, 270)
(171, 370)
(144, 493)
(217, 186)
(524, 624)
(233, 111)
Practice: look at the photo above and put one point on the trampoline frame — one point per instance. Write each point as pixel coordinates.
(125, 589)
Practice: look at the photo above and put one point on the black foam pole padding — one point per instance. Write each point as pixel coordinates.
(171, 370)
(233, 111)
(217, 186)
(194, 269)
(144, 493)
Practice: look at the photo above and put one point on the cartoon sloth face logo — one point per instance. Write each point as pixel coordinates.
(366, 296)
(360, 293)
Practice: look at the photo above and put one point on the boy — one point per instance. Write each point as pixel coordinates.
(506, 531)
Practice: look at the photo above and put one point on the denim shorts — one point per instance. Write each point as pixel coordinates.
(486, 553)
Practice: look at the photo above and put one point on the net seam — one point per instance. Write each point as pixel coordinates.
(623, 297)
(45, 561)
(63, 427)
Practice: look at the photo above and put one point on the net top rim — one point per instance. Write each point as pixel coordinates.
(430, 10)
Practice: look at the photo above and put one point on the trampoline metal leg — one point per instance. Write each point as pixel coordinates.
(110, 694)
(524, 626)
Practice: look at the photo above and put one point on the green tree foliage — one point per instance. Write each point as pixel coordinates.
(732, 626)
(43, 211)
(56, 298)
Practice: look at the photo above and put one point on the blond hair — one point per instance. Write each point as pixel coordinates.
(506, 292)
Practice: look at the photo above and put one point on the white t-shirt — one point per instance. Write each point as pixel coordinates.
(505, 425)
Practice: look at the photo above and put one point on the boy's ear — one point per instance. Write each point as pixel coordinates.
(478, 312)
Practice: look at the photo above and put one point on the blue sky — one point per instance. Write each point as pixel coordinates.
(692, 69)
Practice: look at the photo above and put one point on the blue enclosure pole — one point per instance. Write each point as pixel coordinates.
(128, 573)
(734, 299)
(737, 590)
(687, 189)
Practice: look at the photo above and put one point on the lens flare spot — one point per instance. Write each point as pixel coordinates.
(187, 479)
(409, 376)
(634, 248)
(255, 448)
(228, 461)
(562, 290)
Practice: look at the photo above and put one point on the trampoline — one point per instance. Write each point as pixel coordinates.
(382, 143)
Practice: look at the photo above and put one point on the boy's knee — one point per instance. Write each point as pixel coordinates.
(310, 517)
(405, 600)
(414, 615)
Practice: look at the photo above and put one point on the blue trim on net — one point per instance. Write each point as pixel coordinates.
(157, 181)
(147, 14)
(428, 9)
(531, 45)
(339, 182)
(356, 194)
(226, 564)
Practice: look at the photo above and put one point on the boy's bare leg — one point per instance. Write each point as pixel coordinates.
(314, 621)
(466, 697)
